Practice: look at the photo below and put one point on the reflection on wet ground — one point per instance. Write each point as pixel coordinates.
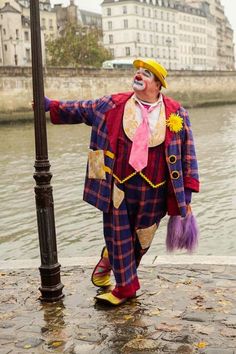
(180, 309)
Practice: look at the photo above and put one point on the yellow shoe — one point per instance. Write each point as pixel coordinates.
(110, 299)
(101, 275)
(101, 281)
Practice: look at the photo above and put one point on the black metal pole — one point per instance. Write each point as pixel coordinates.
(51, 286)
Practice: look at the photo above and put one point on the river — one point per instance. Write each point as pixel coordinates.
(79, 225)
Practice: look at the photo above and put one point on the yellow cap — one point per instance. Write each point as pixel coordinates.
(157, 69)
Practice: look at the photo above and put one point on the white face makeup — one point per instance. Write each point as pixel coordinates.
(139, 84)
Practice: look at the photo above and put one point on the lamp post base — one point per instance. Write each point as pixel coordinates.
(51, 286)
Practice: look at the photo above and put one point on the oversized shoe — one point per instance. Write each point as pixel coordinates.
(101, 275)
(111, 299)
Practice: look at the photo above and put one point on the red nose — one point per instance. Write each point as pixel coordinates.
(138, 77)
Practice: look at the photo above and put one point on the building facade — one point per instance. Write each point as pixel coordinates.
(180, 34)
(225, 45)
(73, 14)
(15, 40)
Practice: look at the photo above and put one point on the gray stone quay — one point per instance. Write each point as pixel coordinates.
(191, 88)
(187, 304)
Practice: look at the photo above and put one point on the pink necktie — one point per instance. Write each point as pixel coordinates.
(139, 152)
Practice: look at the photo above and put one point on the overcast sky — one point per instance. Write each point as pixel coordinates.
(94, 5)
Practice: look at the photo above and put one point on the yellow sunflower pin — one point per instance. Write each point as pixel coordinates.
(174, 123)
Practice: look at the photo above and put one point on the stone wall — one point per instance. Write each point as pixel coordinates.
(192, 89)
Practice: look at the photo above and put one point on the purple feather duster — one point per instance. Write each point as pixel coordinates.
(182, 233)
(174, 232)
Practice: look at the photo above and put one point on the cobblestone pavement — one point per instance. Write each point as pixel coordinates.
(180, 309)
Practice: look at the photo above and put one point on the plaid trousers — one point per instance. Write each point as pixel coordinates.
(141, 207)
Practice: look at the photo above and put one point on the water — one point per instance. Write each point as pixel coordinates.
(79, 225)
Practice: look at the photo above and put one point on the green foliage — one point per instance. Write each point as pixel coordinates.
(77, 46)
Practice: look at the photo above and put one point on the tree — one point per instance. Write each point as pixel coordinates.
(77, 46)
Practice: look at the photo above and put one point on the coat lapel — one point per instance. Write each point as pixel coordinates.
(114, 118)
(171, 107)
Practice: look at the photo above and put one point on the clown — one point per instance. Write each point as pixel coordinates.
(141, 166)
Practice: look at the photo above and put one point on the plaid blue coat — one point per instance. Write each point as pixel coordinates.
(105, 115)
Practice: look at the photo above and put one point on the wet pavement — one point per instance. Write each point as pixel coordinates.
(180, 309)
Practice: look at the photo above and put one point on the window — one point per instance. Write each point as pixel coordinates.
(5, 47)
(109, 25)
(124, 10)
(127, 51)
(50, 24)
(110, 38)
(4, 31)
(125, 23)
(43, 23)
(112, 52)
(137, 23)
(17, 34)
(108, 11)
(138, 37)
(26, 36)
(27, 55)
(143, 24)
(136, 9)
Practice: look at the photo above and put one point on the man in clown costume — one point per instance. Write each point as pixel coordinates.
(141, 166)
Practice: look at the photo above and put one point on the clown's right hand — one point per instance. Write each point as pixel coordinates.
(47, 102)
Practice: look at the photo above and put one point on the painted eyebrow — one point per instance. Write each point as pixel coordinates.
(147, 72)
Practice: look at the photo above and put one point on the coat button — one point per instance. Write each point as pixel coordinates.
(172, 159)
(175, 174)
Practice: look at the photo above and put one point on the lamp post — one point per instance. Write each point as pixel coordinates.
(51, 286)
(168, 42)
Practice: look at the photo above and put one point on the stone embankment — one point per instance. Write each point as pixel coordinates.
(191, 88)
(182, 308)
